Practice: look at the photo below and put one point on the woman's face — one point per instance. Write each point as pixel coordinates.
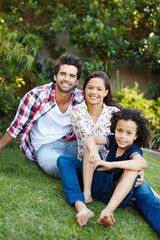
(95, 91)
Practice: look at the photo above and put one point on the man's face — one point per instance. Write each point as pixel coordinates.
(66, 79)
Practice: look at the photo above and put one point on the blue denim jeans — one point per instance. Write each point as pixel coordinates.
(47, 155)
(71, 175)
(147, 204)
(104, 184)
(142, 197)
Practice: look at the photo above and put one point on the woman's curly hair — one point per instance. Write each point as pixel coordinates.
(142, 123)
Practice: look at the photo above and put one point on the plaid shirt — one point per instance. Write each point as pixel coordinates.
(34, 105)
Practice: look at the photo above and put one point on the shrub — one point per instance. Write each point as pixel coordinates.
(132, 98)
(9, 102)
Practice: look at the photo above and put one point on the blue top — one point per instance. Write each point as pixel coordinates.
(112, 147)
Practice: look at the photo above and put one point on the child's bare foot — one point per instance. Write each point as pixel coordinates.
(83, 216)
(88, 197)
(106, 219)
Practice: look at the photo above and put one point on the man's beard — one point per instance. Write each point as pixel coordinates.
(64, 89)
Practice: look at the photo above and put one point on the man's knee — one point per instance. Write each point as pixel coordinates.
(50, 168)
(49, 165)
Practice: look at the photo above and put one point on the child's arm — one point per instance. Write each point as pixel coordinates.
(136, 163)
(91, 144)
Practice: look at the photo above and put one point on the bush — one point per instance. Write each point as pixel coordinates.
(132, 98)
(9, 102)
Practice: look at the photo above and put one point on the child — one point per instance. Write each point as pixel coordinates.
(114, 182)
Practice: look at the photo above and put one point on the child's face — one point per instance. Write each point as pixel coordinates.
(125, 133)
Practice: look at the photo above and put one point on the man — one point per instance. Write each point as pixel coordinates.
(43, 119)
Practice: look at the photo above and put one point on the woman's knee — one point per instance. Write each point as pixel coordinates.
(65, 160)
(61, 160)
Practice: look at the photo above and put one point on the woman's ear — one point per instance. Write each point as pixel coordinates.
(106, 92)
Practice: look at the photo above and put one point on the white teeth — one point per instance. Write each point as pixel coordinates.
(93, 97)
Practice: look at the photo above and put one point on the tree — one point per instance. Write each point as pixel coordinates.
(101, 31)
(108, 30)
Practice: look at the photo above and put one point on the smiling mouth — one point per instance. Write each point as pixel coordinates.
(66, 83)
(121, 142)
(93, 97)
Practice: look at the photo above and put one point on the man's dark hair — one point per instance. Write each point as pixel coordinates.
(143, 133)
(69, 60)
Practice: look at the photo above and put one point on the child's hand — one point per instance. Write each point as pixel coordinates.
(105, 166)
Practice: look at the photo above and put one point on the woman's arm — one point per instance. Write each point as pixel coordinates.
(91, 144)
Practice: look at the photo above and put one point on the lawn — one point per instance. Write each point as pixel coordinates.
(33, 206)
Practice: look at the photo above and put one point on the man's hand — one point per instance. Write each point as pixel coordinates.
(5, 140)
(140, 178)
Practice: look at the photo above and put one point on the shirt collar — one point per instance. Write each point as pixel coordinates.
(52, 92)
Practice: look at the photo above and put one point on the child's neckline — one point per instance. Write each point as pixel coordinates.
(119, 152)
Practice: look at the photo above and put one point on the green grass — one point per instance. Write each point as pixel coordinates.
(33, 206)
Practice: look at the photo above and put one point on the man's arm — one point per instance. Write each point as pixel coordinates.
(5, 140)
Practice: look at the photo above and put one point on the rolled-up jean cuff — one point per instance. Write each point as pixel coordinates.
(72, 199)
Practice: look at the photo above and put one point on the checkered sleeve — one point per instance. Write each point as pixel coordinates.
(27, 108)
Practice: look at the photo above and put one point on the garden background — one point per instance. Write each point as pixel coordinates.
(114, 36)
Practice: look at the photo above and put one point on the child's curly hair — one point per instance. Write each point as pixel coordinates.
(142, 123)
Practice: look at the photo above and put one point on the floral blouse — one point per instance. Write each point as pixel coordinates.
(84, 126)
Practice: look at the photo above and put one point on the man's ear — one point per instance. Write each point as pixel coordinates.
(77, 82)
(55, 77)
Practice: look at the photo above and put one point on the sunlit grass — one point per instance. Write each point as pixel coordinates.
(33, 206)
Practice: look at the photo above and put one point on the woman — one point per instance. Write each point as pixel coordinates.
(92, 117)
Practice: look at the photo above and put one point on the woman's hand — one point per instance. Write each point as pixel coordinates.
(140, 178)
(94, 156)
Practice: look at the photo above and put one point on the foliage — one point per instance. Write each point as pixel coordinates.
(154, 91)
(8, 103)
(33, 206)
(132, 98)
(102, 31)
(155, 140)
(22, 33)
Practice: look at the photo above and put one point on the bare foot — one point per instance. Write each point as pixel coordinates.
(106, 220)
(88, 197)
(84, 216)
